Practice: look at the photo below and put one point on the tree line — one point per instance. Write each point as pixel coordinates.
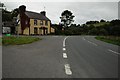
(101, 27)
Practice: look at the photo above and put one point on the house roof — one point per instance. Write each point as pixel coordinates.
(35, 15)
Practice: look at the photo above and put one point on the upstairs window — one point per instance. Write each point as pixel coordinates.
(46, 23)
(41, 22)
(26, 22)
(35, 22)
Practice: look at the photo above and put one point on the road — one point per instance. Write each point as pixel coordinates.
(61, 57)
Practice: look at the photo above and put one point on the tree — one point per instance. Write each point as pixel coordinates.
(103, 32)
(67, 18)
(2, 5)
(92, 22)
(78, 25)
(93, 31)
(6, 15)
(73, 25)
(102, 20)
(15, 12)
(115, 22)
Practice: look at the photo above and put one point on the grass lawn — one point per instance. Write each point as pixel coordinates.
(12, 40)
(109, 39)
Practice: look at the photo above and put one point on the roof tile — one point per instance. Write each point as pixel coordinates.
(35, 15)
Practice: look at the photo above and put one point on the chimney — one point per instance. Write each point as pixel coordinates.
(43, 13)
(22, 8)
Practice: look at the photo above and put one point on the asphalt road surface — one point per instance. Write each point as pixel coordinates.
(61, 57)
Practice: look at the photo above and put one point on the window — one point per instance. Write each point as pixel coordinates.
(35, 22)
(41, 22)
(35, 30)
(46, 23)
(26, 22)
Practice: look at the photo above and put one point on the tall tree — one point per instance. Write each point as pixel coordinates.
(15, 12)
(2, 5)
(102, 20)
(6, 15)
(67, 18)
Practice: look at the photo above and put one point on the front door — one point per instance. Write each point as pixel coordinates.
(40, 31)
(35, 31)
(44, 31)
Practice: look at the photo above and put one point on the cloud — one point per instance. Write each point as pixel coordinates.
(83, 11)
(60, 0)
(119, 10)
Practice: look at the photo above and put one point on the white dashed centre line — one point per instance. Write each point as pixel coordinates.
(113, 51)
(64, 55)
(64, 41)
(64, 49)
(67, 69)
(67, 66)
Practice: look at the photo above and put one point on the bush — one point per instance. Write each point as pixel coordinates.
(110, 39)
(93, 31)
(103, 32)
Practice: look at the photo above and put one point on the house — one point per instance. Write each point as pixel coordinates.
(52, 30)
(32, 23)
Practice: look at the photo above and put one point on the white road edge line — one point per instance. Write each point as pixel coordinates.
(113, 51)
(83, 38)
(67, 69)
(89, 41)
(54, 36)
(64, 41)
(64, 49)
(92, 43)
(64, 55)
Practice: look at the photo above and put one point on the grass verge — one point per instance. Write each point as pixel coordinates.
(109, 39)
(12, 40)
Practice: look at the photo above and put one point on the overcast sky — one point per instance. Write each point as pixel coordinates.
(83, 11)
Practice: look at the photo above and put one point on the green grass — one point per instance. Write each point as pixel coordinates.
(12, 40)
(109, 39)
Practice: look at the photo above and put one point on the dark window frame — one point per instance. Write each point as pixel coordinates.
(46, 23)
(41, 22)
(35, 21)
